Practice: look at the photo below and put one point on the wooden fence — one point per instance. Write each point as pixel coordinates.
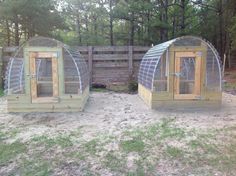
(107, 64)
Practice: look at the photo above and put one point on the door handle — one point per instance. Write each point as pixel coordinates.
(177, 74)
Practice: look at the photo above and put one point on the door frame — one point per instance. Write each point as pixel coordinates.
(197, 84)
(30, 55)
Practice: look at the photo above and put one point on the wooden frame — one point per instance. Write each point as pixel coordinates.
(197, 75)
(33, 79)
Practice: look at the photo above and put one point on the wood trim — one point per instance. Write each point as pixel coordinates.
(186, 96)
(46, 54)
(197, 88)
(33, 81)
(176, 79)
(185, 54)
(55, 78)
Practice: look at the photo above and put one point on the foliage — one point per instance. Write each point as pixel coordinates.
(119, 22)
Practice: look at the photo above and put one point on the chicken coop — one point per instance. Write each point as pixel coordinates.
(183, 72)
(46, 75)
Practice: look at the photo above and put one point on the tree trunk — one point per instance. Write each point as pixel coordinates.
(221, 28)
(131, 38)
(182, 16)
(95, 29)
(78, 28)
(166, 20)
(8, 34)
(173, 27)
(86, 27)
(111, 23)
(17, 37)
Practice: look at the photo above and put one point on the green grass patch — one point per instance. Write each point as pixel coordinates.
(99, 90)
(230, 86)
(61, 140)
(134, 145)
(1, 93)
(91, 147)
(77, 155)
(10, 151)
(174, 152)
(36, 167)
(115, 163)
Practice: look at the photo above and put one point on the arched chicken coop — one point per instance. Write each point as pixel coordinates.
(46, 75)
(184, 72)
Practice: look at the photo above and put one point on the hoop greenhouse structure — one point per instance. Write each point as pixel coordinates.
(46, 75)
(184, 72)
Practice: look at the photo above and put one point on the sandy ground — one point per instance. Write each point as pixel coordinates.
(112, 113)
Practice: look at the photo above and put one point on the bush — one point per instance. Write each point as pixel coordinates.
(132, 86)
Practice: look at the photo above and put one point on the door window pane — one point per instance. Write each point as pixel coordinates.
(187, 75)
(44, 77)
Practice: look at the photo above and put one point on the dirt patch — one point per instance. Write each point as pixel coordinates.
(117, 134)
(113, 113)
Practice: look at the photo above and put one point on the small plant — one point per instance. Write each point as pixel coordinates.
(174, 152)
(133, 86)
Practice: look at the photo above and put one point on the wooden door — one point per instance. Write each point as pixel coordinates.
(187, 81)
(44, 85)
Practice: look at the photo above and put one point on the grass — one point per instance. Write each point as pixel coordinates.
(200, 152)
(62, 140)
(99, 90)
(37, 167)
(133, 146)
(91, 146)
(1, 92)
(174, 152)
(114, 163)
(8, 152)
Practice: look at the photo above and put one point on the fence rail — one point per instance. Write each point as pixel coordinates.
(107, 64)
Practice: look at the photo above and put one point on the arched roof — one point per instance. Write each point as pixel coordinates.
(15, 71)
(151, 59)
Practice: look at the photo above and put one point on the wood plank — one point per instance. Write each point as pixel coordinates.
(111, 48)
(90, 64)
(197, 89)
(130, 58)
(46, 54)
(145, 94)
(109, 57)
(141, 48)
(33, 79)
(55, 78)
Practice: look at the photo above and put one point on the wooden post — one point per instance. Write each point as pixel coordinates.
(1, 67)
(90, 64)
(131, 54)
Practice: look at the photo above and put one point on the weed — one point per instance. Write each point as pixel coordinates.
(91, 146)
(174, 152)
(114, 163)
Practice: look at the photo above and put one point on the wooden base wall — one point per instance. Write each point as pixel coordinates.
(166, 100)
(65, 103)
(145, 94)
